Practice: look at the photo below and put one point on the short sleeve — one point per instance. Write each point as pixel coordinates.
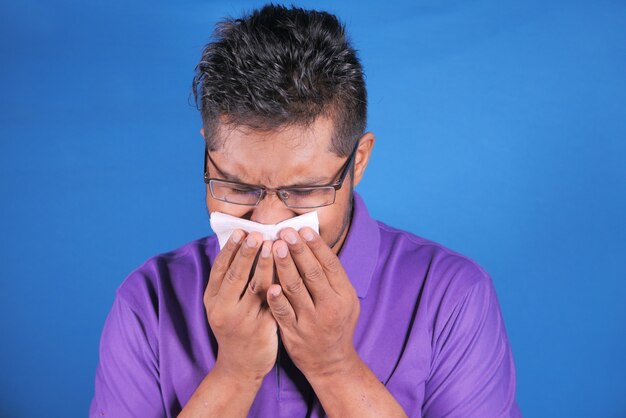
(127, 376)
(472, 373)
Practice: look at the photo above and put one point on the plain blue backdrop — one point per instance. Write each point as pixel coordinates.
(500, 126)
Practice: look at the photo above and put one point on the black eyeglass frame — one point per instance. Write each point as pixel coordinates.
(279, 192)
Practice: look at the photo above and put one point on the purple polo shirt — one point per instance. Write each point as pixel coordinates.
(430, 328)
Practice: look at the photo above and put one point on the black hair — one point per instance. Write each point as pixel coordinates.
(279, 66)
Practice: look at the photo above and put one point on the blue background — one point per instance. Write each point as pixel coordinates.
(501, 125)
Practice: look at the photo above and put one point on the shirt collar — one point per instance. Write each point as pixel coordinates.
(359, 252)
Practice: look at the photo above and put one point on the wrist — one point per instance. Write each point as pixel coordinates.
(352, 367)
(222, 393)
(236, 379)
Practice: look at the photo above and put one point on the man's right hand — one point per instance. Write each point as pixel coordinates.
(245, 329)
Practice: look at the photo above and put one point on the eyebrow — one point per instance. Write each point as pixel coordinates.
(307, 181)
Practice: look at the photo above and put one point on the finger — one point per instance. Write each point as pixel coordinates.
(222, 262)
(237, 275)
(290, 280)
(281, 309)
(310, 270)
(261, 281)
(328, 260)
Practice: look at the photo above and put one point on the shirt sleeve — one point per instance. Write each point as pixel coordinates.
(127, 376)
(472, 374)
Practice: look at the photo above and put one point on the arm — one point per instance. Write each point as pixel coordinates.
(472, 372)
(356, 392)
(127, 383)
(245, 330)
(316, 308)
(348, 388)
(127, 379)
(221, 395)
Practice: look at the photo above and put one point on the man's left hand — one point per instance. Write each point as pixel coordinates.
(316, 306)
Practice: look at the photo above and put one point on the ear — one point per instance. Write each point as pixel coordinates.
(202, 132)
(362, 156)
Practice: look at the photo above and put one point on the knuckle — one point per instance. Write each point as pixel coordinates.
(253, 287)
(218, 268)
(231, 276)
(246, 251)
(263, 265)
(297, 249)
(281, 311)
(294, 286)
(283, 262)
(313, 274)
(323, 298)
(217, 321)
(332, 264)
(284, 266)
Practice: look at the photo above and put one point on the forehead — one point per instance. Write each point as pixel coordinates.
(290, 155)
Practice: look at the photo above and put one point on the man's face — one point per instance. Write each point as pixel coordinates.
(291, 156)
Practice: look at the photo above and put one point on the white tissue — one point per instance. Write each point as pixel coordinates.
(224, 225)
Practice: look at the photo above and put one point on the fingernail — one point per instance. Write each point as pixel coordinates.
(250, 241)
(275, 292)
(290, 237)
(307, 235)
(237, 235)
(282, 251)
(266, 250)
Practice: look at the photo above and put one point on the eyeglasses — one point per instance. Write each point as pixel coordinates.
(293, 197)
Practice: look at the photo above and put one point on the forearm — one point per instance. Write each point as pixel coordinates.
(355, 392)
(221, 395)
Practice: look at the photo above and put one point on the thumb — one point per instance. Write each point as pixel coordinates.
(280, 307)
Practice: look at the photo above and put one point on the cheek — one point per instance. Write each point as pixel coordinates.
(331, 220)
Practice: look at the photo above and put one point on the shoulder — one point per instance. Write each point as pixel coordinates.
(444, 275)
(168, 274)
(454, 292)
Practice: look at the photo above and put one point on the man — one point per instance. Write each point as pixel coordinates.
(358, 320)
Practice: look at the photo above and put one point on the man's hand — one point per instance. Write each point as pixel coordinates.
(316, 313)
(315, 305)
(245, 330)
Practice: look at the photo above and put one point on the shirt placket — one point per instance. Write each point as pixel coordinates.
(294, 394)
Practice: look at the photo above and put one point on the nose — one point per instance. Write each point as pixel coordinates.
(271, 210)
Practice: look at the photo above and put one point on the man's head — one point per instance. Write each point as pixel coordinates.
(283, 102)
